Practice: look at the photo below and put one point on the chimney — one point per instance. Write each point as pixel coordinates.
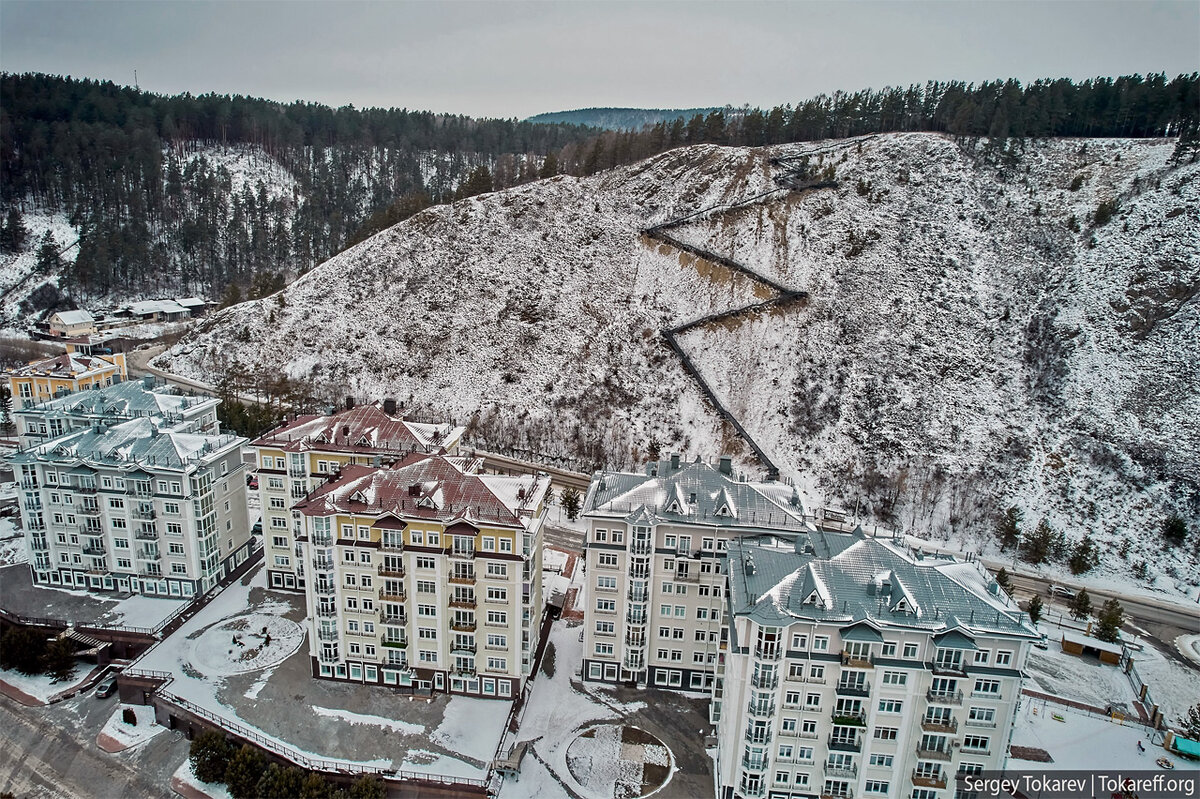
(674, 460)
(349, 403)
(148, 381)
(725, 465)
(389, 406)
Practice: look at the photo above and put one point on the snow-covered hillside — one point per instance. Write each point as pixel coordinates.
(971, 340)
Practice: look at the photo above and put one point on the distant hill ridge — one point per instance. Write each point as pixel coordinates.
(618, 118)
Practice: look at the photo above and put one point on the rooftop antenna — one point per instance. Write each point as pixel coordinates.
(135, 83)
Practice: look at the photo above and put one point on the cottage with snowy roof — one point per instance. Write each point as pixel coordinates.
(76, 369)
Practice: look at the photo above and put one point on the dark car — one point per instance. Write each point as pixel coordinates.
(257, 528)
(107, 687)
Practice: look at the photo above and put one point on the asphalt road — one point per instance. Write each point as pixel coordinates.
(51, 752)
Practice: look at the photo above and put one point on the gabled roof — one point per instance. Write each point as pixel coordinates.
(863, 584)
(73, 317)
(364, 429)
(667, 489)
(429, 487)
(67, 365)
(124, 400)
(137, 445)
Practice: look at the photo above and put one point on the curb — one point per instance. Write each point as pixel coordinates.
(12, 692)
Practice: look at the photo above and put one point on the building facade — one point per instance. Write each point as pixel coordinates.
(424, 575)
(655, 552)
(134, 507)
(298, 457)
(857, 669)
(131, 399)
(52, 377)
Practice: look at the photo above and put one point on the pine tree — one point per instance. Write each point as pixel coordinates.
(1083, 556)
(1036, 546)
(1004, 581)
(23, 649)
(1035, 609)
(60, 659)
(13, 232)
(280, 782)
(549, 166)
(1191, 722)
(209, 755)
(1008, 528)
(1080, 605)
(47, 254)
(368, 786)
(478, 182)
(570, 502)
(1111, 617)
(1174, 529)
(245, 769)
(314, 786)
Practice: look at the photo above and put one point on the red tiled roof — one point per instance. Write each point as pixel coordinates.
(365, 429)
(419, 487)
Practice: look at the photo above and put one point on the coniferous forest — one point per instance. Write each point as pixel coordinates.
(132, 170)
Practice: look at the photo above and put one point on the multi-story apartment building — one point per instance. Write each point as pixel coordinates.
(857, 669)
(424, 575)
(655, 560)
(133, 399)
(138, 506)
(299, 456)
(77, 369)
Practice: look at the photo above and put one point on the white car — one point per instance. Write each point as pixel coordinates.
(1062, 591)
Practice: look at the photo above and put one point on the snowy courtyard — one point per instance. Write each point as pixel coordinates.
(1075, 740)
(618, 761)
(265, 684)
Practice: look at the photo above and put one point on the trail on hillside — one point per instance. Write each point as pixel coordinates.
(793, 179)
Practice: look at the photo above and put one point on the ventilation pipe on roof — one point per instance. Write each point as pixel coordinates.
(148, 381)
(750, 565)
(725, 465)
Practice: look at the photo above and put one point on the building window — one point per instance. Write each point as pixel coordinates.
(910, 651)
(987, 687)
(606, 606)
(497, 570)
(424, 562)
(881, 760)
(890, 705)
(885, 733)
(895, 678)
(820, 643)
(975, 743)
(607, 560)
(1004, 658)
(604, 649)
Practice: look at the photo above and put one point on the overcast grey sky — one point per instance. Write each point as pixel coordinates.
(519, 58)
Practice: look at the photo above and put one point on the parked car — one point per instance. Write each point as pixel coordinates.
(106, 687)
(1042, 643)
(257, 528)
(1062, 591)
(252, 482)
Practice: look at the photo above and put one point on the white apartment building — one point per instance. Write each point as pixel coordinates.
(139, 506)
(858, 669)
(299, 456)
(655, 554)
(424, 575)
(39, 421)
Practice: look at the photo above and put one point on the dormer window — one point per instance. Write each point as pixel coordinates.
(722, 511)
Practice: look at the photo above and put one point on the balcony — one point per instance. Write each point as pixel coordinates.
(639, 595)
(328, 657)
(391, 571)
(638, 547)
(147, 554)
(327, 635)
(848, 770)
(850, 718)
(753, 763)
(297, 470)
(839, 793)
(463, 602)
(461, 554)
(639, 574)
(944, 697)
(768, 651)
(76, 489)
(145, 513)
(636, 617)
(928, 780)
(387, 618)
(948, 668)
(32, 485)
(758, 735)
(858, 661)
(765, 681)
(146, 535)
(94, 549)
(753, 791)
(933, 754)
(634, 661)
(87, 510)
(322, 539)
(392, 594)
(852, 689)
(980, 723)
(463, 626)
(324, 564)
(845, 744)
(462, 579)
(391, 545)
(325, 589)
(395, 643)
(975, 750)
(940, 725)
(633, 640)
(761, 709)
(326, 611)
(462, 646)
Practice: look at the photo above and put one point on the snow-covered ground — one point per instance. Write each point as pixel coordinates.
(1086, 680)
(1174, 686)
(12, 544)
(141, 611)
(42, 686)
(186, 776)
(132, 735)
(250, 642)
(1081, 742)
